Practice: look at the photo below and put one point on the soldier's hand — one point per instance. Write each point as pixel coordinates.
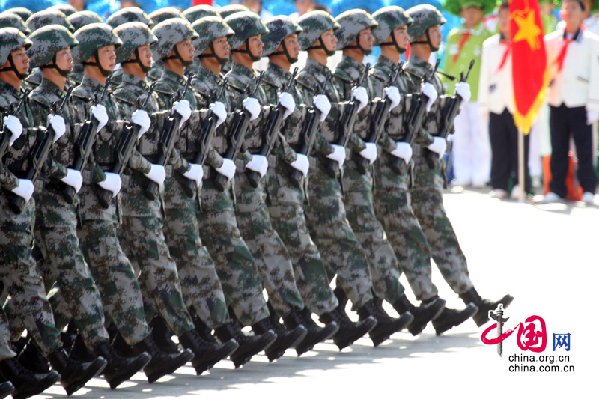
(195, 173)
(338, 154)
(259, 164)
(13, 124)
(403, 150)
(220, 110)
(57, 123)
(228, 168)
(431, 93)
(370, 152)
(359, 94)
(99, 112)
(592, 117)
(182, 108)
(141, 119)
(24, 189)
(253, 106)
(323, 104)
(439, 145)
(462, 89)
(73, 179)
(287, 101)
(392, 93)
(112, 183)
(301, 163)
(157, 174)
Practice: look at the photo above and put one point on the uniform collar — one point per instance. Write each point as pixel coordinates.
(352, 67)
(577, 37)
(172, 77)
(385, 64)
(91, 85)
(49, 91)
(276, 75)
(476, 31)
(418, 66)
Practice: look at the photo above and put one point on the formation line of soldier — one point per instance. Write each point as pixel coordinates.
(164, 198)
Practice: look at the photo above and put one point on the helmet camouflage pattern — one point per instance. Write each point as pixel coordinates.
(231, 9)
(48, 17)
(209, 29)
(245, 24)
(66, 9)
(91, 38)
(129, 14)
(22, 12)
(11, 39)
(200, 11)
(133, 35)
(279, 28)
(313, 24)
(350, 24)
(388, 19)
(164, 14)
(48, 41)
(83, 18)
(169, 33)
(424, 17)
(9, 19)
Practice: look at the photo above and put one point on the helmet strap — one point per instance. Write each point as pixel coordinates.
(358, 46)
(247, 51)
(105, 73)
(321, 46)
(394, 43)
(63, 72)
(137, 60)
(220, 60)
(427, 41)
(13, 68)
(285, 52)
(178, 56)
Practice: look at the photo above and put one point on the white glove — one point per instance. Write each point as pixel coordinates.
(195, 173)
(403, 150)
(392, 93)
(429, 91)
(592, 117)
(287, 101)
(259, 164)
(301, 163)
(450, 138)
(359, 94)
(57, 123)
(73, 179)
(462, 89)
(220, 110)
(112, 183)
(323, 104)
(228, 168)
(253, 106)
(370, 152)
(13, 124)
(157, 174)
(338, 154)
(439, 145)
(182, 108)
(24, 189)
(99, 112)
(142, 119)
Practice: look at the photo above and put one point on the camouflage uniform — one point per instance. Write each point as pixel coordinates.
(5, 349)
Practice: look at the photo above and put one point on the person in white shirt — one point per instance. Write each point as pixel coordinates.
(573, 63)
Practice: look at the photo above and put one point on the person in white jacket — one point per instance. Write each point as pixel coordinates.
(573, 63)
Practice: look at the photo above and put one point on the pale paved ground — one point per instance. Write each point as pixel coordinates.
(546, 256)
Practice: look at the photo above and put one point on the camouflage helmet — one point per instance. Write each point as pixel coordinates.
(164, 14)
(133, 35)
(9, 19)
(424, 16)
(169, 33)
(279, 28)
(66, 9)
(48, 41)
(22, 12)
(208, 30)
(313, 24)
(245, 24)
(388, 19)
(83, 18)
(129, 14)
(351, 23)
(48, 17)
(200, 11)
(91, 38)
(11, 39)
(231, 9)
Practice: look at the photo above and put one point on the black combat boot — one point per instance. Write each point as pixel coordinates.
(6, 388)
(248, 345)
(206, 355)
(203, 329)
(348, 332)
(285, 338)
(450, 318)
(162, 363)
(32, 359)
(25, 382)
(315, 334)
(385, 325)
(484, 305)
(73, 374)
(119, 368)
(80, 352)
(422, 314)
(162, 336)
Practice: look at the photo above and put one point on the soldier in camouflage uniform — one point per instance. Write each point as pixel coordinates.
(157, 17)
(270, 254)
(110, 267)
(28, 307)
(427, 192)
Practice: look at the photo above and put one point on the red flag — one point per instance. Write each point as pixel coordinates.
(529, 61)
(198, 2)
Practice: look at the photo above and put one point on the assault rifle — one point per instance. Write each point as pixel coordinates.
(5, 136)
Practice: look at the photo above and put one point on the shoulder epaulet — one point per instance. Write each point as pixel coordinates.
(163, 88)
(121, 96)
(81, 94)
(236, 85)
(380, 75)
(341, 74)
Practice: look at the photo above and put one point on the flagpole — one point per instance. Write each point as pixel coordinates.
(521, 181)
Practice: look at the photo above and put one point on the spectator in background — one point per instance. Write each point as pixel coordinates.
(547, 15)
(591, 15)
(471, 149)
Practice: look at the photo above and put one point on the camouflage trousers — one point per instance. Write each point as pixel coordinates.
(235, 265)
(289, 220)
(201, 287)
(65, 266)
(334, 237)
(27, 308)
(111, 270)
(143, 241)
(271, 256)
(5, 349)
(427, 201)
(394, 210)
(359, 203)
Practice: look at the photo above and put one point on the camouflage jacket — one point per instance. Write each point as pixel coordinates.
(76, 75)
(188, 142)
(103, 155)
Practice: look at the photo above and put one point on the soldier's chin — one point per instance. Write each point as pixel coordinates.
(367, 52)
